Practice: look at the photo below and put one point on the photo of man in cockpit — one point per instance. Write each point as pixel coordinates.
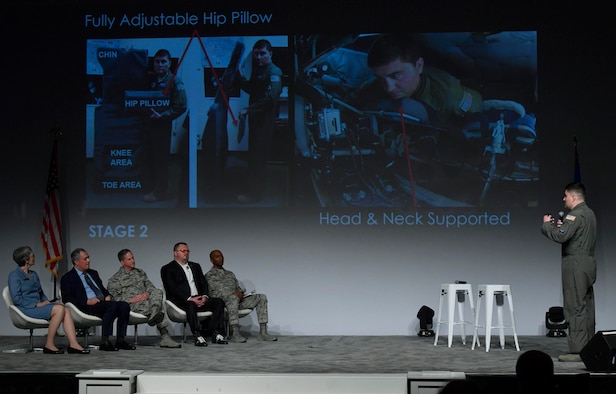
(419, 120)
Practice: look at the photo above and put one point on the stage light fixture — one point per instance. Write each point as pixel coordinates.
(425, 316)
(555, 322)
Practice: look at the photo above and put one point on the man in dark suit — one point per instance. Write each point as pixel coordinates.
(186, 287)
(84, 288)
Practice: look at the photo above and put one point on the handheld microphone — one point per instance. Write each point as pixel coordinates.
(561, 216)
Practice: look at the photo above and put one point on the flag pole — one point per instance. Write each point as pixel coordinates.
(56, 133)
(577, 175)
(51, 233)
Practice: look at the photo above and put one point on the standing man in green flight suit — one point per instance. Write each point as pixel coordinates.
(577, 233)
(264, 88)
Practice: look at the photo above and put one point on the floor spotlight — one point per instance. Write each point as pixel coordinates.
(425, 316)
(555, 322)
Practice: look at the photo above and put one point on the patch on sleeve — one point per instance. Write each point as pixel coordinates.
(466, 102)
(570, 217)
(179, 86)
(275, 78)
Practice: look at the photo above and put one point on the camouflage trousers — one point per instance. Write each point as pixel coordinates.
(151, 306)
(255, 301)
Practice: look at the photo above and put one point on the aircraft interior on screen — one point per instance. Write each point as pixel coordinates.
(339, 140)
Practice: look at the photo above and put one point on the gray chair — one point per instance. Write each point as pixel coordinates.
(178, 315)
(22, 321)
(135, 319)
(82, 320)
(241, 313)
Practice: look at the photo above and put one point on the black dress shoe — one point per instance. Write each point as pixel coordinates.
(125, 345)
(47, 350)
(219, 339)
(107, 347)
(72, 350)
(200, 341)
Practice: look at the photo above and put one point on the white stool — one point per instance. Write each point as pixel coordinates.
(489, 292)
(451, 291)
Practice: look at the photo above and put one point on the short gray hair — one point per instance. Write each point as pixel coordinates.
(21, 254)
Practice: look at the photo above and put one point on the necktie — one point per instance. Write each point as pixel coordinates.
(95, 289)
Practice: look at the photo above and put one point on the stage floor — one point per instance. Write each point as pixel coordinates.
(494, 371)
(295, 354)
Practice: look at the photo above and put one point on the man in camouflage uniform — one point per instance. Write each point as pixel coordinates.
(132, 285)
(577, 233)
(224, 284)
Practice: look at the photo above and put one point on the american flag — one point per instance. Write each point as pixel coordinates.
(51, 234)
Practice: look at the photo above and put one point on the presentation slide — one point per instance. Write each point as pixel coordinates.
(312, 124)
(176, 135)
(463, 136)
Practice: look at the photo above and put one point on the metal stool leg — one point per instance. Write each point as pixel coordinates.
(450, 316)
(476, 327)
(489, 305)
(438, 319)
(515, 334)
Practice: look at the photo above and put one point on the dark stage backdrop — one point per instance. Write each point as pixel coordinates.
(368, 204)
